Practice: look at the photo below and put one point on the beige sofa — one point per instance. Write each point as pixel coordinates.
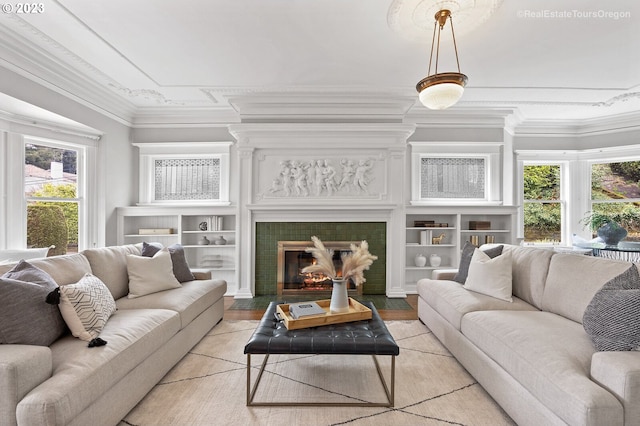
(68, 383)
(533, 355)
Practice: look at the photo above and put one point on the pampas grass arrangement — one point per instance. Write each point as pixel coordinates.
(353, 264)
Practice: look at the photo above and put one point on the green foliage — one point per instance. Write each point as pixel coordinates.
(626, 215)
(70, 209)
(598, 173)
(46, 226)
(542, 216)
(542, 182)
(42, 156)
(629, 170)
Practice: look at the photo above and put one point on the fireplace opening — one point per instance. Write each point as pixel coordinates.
(292, 259)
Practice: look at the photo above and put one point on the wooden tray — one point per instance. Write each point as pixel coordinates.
(357, 312)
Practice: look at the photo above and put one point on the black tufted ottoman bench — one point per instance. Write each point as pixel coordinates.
(369, 337)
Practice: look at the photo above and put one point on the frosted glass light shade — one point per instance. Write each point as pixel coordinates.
(441, 95)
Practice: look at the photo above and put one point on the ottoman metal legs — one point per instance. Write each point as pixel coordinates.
(389, 391)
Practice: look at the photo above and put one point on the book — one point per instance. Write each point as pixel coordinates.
(305, 309)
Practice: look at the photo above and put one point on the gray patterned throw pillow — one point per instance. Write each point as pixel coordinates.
(612, 318)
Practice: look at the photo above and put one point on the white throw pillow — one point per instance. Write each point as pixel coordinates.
(86, 306)
(491, 277)
(150, 274)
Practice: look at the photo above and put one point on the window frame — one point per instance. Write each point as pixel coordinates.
(606, 160)
(150, 152)
(562, 199)
(15, 206)
(81, 197)
(490, 152)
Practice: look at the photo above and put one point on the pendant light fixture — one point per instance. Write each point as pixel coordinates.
(441, 90)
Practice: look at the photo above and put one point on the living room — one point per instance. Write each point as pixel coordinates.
(310, 90)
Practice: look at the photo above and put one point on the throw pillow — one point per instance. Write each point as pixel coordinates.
(25, 317)
(181, 269)
(149, 249)
(150, 274)
(465, 260)
(612, 318)
(491, 277)
(86, 306)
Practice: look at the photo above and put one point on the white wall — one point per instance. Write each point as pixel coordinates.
(117, 168)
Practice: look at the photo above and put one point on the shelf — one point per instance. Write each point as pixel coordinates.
(430, 245)
(422, 268)
(185, 221)
(209, 246)
(427, 228)
(210, 232)
(471, 231)
(458, 218)
(150, 235)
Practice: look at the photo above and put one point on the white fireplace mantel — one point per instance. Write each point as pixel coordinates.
(268, 151)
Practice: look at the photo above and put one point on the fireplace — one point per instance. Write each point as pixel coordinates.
(292, 258)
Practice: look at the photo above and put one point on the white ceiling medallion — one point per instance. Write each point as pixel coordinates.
(413, 19)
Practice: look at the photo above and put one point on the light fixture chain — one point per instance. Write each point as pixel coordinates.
(455, 47)
(438, 50)
(433, 39)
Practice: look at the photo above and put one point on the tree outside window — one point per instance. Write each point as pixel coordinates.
(615, 196)
(543, 207)
(51, 190)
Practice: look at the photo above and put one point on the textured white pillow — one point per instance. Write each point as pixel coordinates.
(491, 277)
(150, 274)
(86, 306)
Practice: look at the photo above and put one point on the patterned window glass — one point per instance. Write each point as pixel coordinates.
(461, 178)
(187, 179)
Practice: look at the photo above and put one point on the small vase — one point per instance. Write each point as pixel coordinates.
(611, 233)
(339, 297)
(204, 241)
(220, 241)
(435, 260)
(420, 260)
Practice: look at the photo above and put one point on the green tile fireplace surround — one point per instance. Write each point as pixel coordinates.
(269, 233)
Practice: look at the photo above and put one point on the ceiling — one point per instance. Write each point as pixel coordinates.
(567, 61)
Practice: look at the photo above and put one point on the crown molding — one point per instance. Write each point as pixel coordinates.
(330, 103)
(593, 126)
(28, 126)
(165, 117)
(321, 135)
(465, 117)
(31, 61)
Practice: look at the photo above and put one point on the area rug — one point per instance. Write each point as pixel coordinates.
(208, 386)
(380, 301)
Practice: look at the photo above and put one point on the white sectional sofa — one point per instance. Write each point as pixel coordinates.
(68, 383)
(532, 354)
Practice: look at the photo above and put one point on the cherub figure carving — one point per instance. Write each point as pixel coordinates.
(361, 179)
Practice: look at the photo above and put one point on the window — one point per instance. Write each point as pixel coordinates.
(187, 179)
(453, 177)
(54, 202)
(196, 173)
(542, 203)
(615, 195)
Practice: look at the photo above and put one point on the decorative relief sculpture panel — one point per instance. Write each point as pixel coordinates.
(322, 177)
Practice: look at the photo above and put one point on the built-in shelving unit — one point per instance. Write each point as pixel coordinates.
(443, 231)
(187, 226)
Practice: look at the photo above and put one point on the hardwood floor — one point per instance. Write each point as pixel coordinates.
(386, 314)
